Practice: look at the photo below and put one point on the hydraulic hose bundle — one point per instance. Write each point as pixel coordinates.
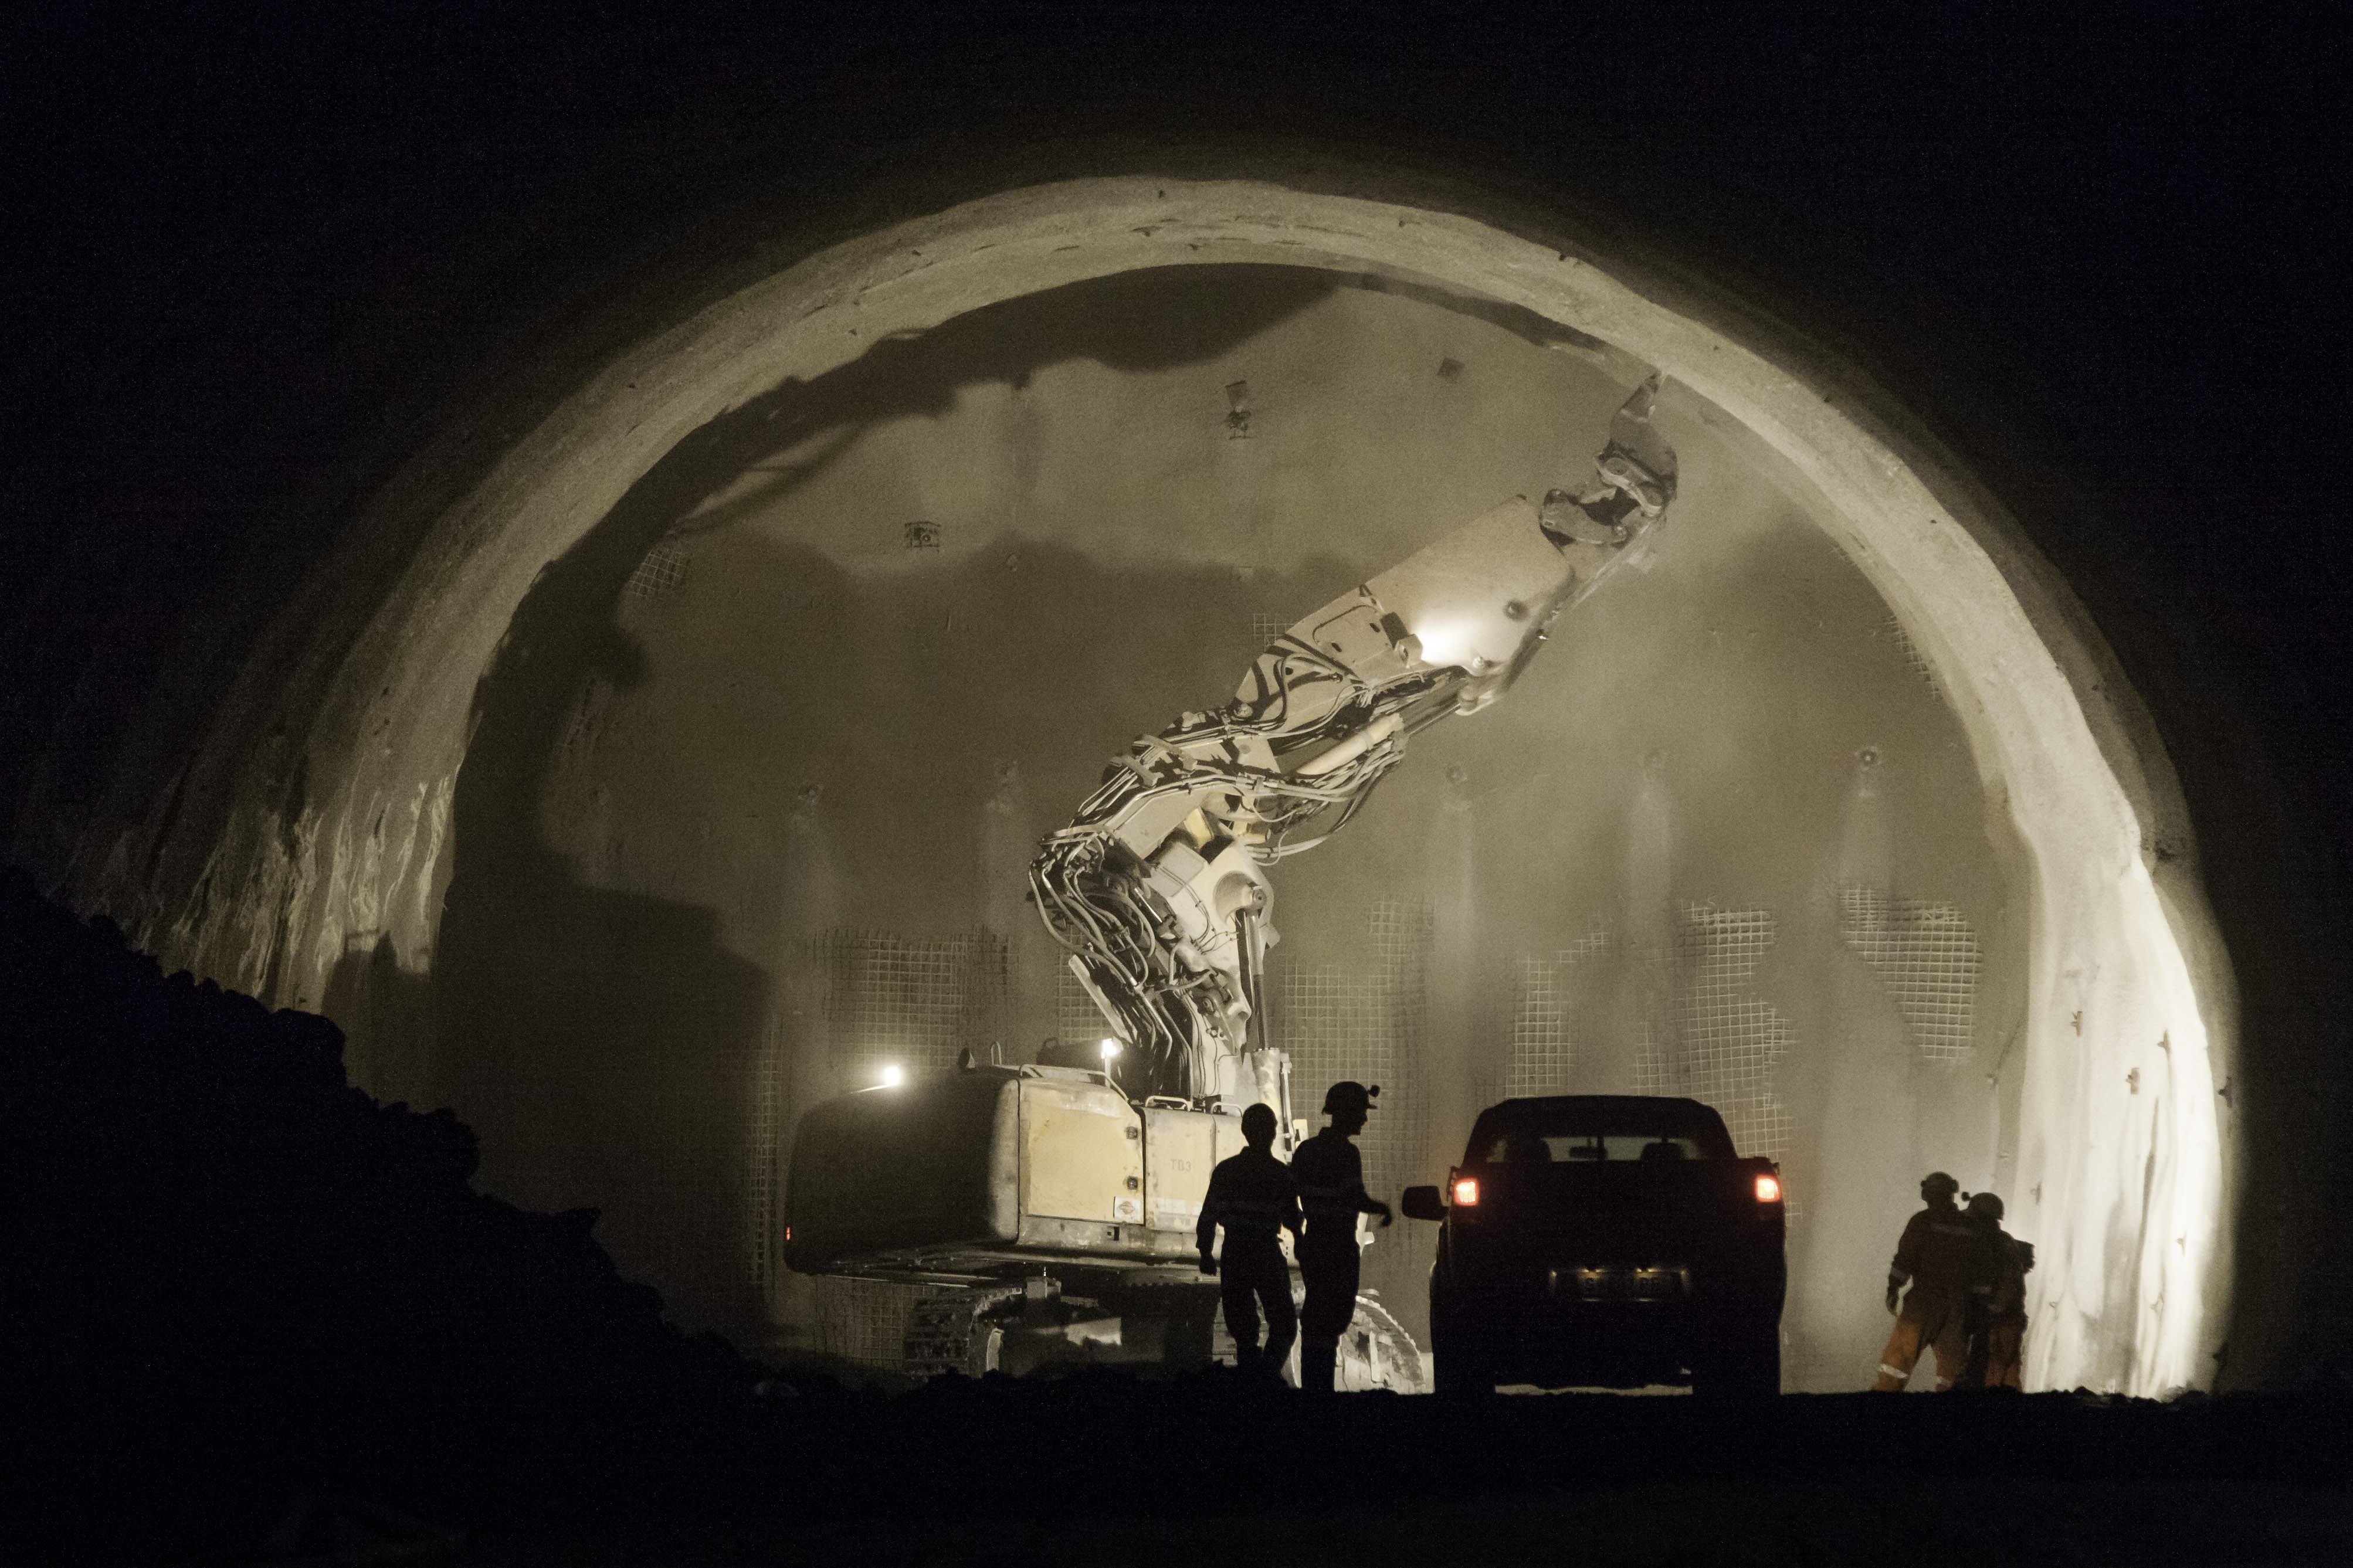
(1157, 889)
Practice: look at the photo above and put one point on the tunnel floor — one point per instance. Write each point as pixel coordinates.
(1101, 1469)
(242, 1282)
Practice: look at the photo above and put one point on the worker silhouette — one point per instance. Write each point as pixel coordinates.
(1331, 1176)
(1252, 1196)
(1998, 1332)
(1943, 1257)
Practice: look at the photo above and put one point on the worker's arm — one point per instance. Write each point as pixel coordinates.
(1205, 1234)
(1907, 1262)
(1365, 1202)
(1333, 1180)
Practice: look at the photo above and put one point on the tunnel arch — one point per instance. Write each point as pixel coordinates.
(2129, 982)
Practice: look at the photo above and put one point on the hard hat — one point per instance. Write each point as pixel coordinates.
(1939, 1183)
(1986, 1203)
(1349, 1095)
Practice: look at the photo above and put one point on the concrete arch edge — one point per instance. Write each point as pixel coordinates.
(2122, 934)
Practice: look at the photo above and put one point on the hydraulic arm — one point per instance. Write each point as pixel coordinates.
(1158, 887)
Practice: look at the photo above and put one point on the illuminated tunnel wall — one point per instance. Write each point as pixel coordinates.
(681, 778)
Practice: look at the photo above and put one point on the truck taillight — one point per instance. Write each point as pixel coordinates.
(1466, 1192)
(1768, 1189)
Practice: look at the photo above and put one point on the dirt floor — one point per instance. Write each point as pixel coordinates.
(1099, 1470)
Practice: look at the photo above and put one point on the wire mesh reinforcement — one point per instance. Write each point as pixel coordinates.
(1544, 1037)
(1403, 935)
(771, 1076)
(663, 569)
(1371, 1027)
(1926, 955)
(1729, 1043)
(1540, 1040)
(1077, 1020)
(864, 1321)
(913, 1004)
(1653, 1072)
(1892, 630)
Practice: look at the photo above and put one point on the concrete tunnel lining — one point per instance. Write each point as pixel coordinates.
(2126, 975)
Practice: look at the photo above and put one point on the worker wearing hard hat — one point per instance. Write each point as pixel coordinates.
(1251, 1194)
(1331, 1177)
(1944, 1257)
(1999, 1337)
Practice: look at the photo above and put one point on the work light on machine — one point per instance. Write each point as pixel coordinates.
(893, 1076)
(1466, 1192)
(1110, 1052)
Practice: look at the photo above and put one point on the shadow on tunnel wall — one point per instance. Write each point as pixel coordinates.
(604, 1044)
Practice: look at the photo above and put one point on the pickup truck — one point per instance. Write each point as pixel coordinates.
(1606, 1241)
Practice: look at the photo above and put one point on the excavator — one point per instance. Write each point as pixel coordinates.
(1048, 1210)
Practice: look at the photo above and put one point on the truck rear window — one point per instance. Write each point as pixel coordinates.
(1597, 1128)
(1543, 1149)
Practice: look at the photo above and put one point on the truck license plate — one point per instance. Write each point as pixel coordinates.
(1620, 1282)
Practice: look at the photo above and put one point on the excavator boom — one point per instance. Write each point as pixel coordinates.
(1043, 1213)
(1159, 888)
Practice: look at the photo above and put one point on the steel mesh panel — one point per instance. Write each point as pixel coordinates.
(916, 1004)
(1077, 1020)
(1325, 1025)
(663, 569)
(1544, 1044)
(865, 1320)
(1891, 629)
(1653, 1073)
(984, 980)
(1540, 1043)
(1372, 1029)
(1403, 935)
(1926, 955)
(770, 1075)
(1726, 1045)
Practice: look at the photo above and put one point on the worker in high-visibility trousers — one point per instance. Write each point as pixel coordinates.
(1996, 1348)
(1945, 1259)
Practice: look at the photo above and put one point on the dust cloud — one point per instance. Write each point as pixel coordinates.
(746, 813)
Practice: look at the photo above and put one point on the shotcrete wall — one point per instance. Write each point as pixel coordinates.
(523, 640)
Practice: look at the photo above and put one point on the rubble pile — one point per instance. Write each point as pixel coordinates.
(224, 1269)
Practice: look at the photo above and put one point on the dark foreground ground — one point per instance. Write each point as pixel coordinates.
(1108, 1471)
(248, 1314)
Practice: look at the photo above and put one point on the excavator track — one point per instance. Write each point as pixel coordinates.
(944, 1332)
(1375, 1353)
(950, 1331)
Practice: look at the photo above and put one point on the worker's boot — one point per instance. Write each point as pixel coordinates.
(1318, 1360)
